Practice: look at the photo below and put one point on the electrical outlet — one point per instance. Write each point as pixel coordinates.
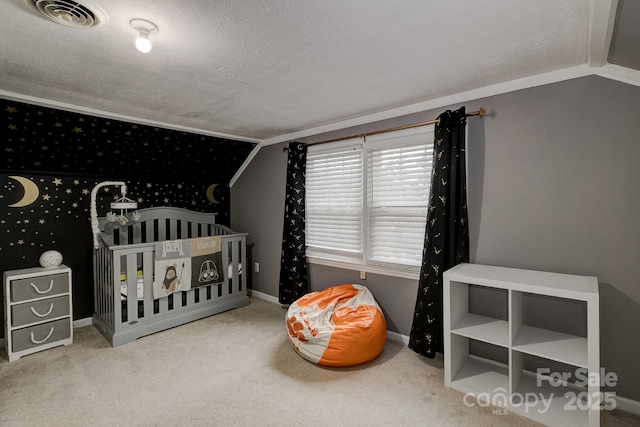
(363, 275)
(256, 267)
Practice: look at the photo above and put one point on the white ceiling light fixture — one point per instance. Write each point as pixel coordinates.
(144, 28)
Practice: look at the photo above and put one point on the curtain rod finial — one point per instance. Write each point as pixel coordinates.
(482, 112)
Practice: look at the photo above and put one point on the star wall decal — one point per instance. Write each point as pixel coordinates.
(66, 154)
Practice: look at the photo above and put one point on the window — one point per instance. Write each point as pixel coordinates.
(334, 201)
(366, 201)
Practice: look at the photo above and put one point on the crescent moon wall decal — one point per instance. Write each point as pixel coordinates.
(210, 195)
(31, 192)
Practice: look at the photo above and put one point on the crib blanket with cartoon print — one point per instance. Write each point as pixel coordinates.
(187, 263)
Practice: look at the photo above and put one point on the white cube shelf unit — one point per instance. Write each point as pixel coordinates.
(507, 381)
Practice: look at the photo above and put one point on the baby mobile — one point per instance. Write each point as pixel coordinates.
(123, 204)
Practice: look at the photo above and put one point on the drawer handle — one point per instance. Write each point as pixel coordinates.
(35, 288)
(33, 310)
(35, 341)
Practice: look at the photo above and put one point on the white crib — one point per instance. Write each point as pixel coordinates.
(123, 265)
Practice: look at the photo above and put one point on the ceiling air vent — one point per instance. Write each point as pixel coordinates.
(70, 13)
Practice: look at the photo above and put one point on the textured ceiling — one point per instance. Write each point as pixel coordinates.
(258, 70)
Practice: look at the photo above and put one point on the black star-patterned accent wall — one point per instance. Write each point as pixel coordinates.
(51, 160)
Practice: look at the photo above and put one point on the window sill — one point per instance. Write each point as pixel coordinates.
(372, 269)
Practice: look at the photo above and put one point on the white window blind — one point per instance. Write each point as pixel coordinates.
(399, 173)
(366, 201)
(334, 201)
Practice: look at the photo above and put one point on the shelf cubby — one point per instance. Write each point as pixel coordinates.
(472, 371)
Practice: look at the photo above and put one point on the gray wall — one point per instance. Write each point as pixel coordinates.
(553, 185)
(257, 208)
(625, 49)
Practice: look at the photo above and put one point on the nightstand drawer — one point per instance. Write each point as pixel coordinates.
(38, 311)
(39, 287)
(39, 335)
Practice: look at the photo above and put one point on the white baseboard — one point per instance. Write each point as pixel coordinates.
(82, 322)
(628, 405)
(396, 337)
(266, 297)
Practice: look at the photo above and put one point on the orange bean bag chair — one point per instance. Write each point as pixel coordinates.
(339, 326)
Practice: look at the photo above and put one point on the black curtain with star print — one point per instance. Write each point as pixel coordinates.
(294, 281)
(447, 231)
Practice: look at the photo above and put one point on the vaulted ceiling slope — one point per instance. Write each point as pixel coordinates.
(268, 71)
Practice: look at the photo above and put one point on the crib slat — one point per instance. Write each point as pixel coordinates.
(132, 288)
(103, 278)
(162, 230)
(148, 231)
(108, 270)
(97, 279)
(243, 262)
(184, 229)
(136, 233)
(169, 229)
(147, 274)
(114, 303)
(235, 256)
(226, 262)
(109, 280)
(123, 235)
(191, 297)
(163, 306)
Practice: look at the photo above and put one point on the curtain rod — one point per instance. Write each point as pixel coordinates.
(480, 113)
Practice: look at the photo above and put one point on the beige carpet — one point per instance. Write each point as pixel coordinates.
(232, 369)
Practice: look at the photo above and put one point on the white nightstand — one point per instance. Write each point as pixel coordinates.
(37, 310)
